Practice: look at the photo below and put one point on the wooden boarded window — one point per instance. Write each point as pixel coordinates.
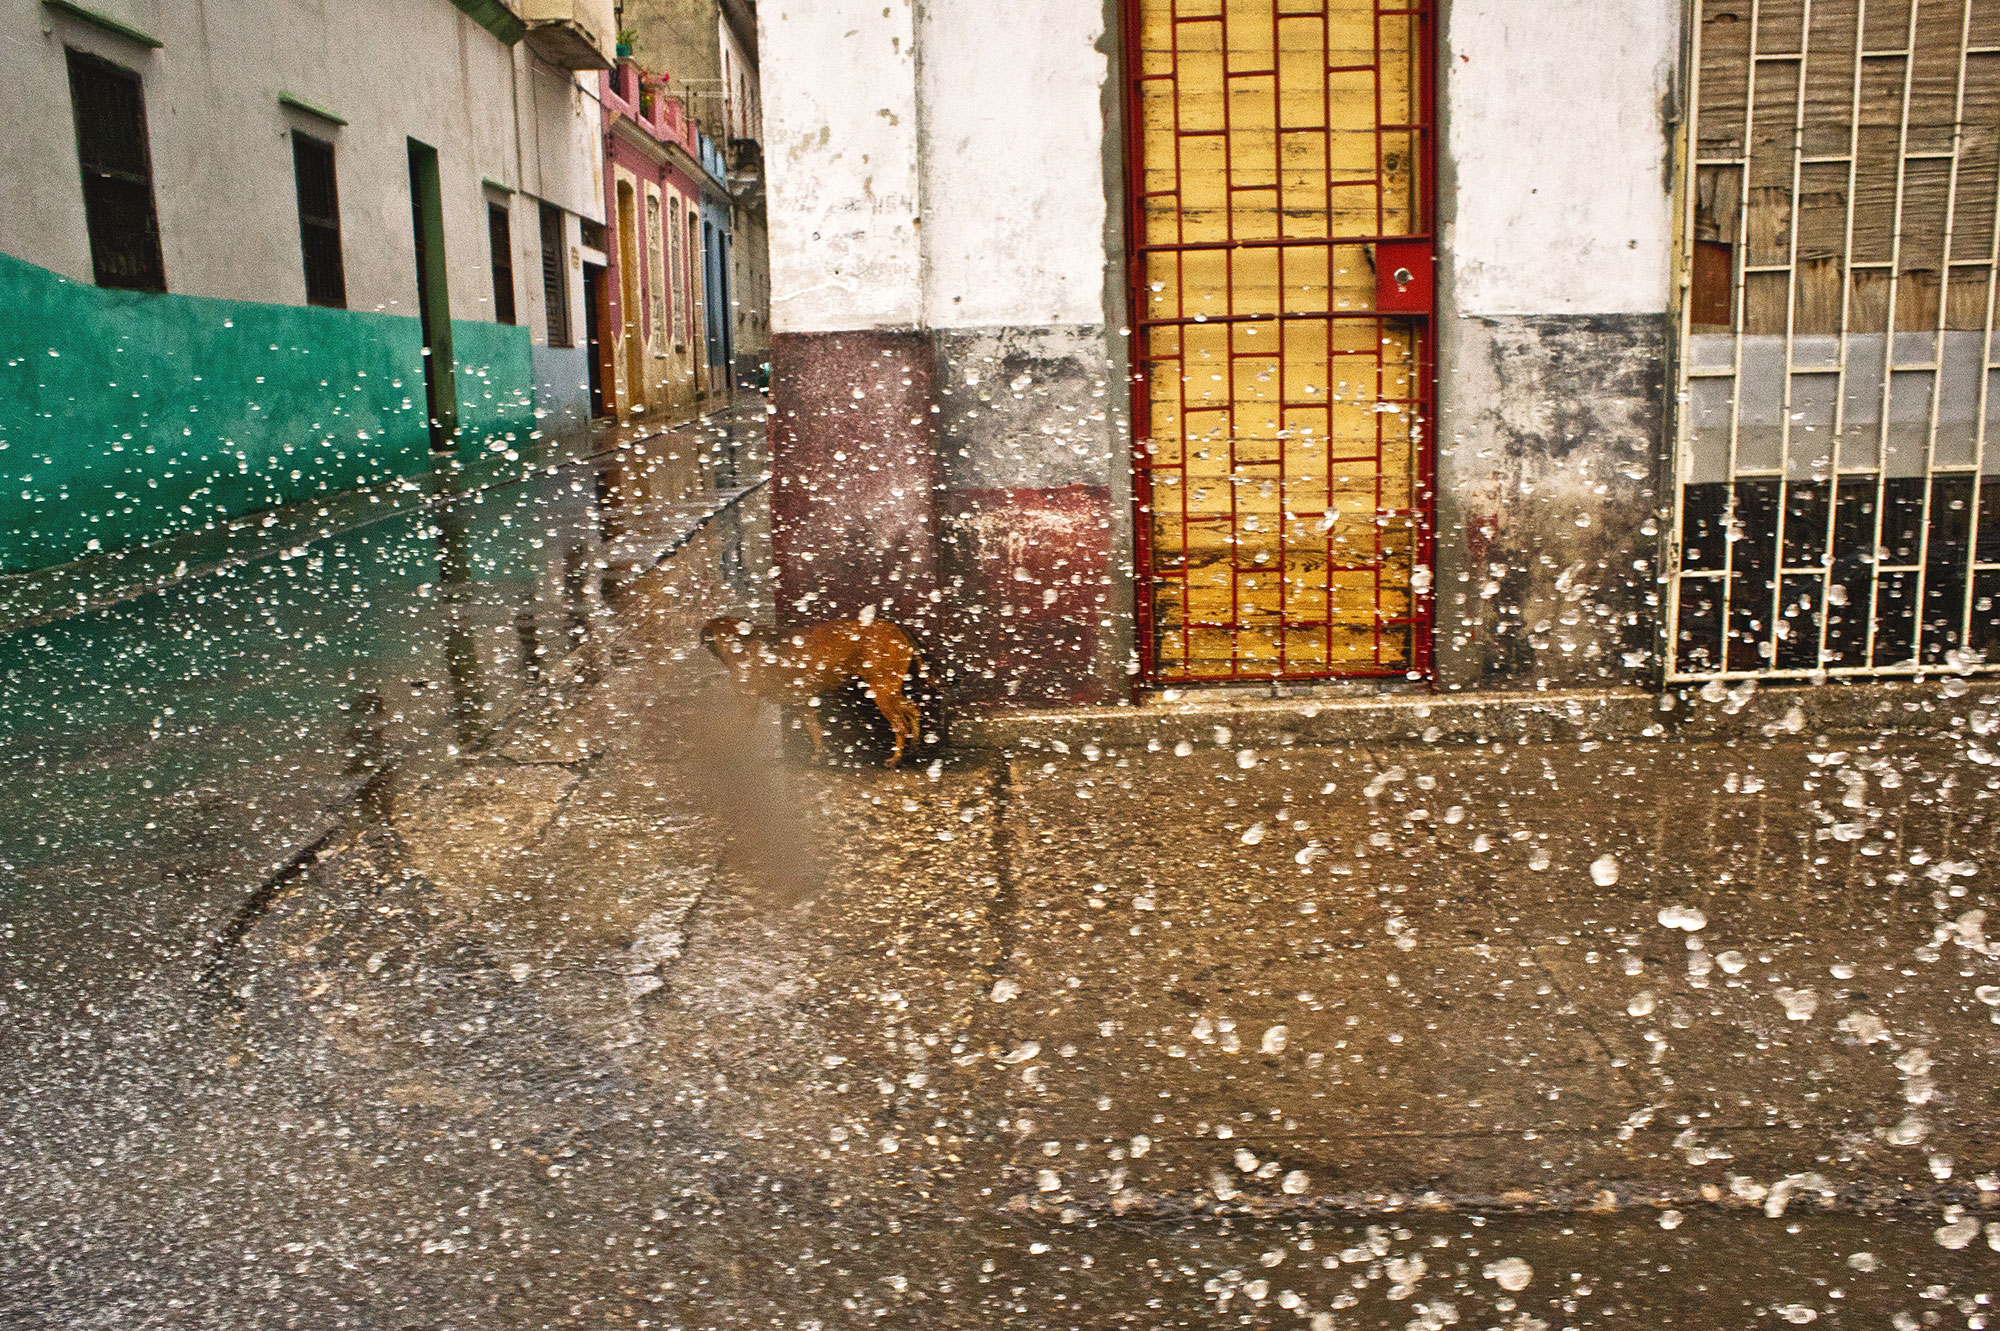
(117, 167)
(319, 221)
(555, 275)
(500, 239)
(1837, 358)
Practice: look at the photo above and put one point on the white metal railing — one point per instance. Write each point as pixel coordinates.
(1796, 449)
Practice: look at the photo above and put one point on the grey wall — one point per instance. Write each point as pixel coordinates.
(1554, 282)
(222, 164)
(1549, 499)
(562, 389)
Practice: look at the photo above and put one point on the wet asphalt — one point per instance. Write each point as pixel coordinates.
(588, 1005)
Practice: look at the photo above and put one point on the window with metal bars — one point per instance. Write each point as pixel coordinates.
(500, 234)
(1838, 497)
(319, 221)
(555, 274)
(676, 286)
(117, 168)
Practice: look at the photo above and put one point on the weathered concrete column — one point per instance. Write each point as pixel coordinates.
(1015, 295)
(944, 384)
(1554, 291)
(854, 451)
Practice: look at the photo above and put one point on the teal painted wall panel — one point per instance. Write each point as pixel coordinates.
(126, 417)
(496, 399)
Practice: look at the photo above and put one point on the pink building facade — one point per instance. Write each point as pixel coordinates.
(648, 298)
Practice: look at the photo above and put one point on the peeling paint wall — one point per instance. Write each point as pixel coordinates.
(1554, 282)
(840, 159)
(998, 130)
(995, 306)
(1555, 130)
(1014, 215)
(854, 485)
(1550, 506)
(1028, 454)
(1013, 183)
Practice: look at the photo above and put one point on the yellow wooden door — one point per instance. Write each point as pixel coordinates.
(1278, 150)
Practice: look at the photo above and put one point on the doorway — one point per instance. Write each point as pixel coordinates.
(596, 314)
(1280, 231)
(433, 297)
(629, 298)
(715, 307)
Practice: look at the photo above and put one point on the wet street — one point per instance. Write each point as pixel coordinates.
(447, 953)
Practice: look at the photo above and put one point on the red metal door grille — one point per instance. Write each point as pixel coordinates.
(1278, 153)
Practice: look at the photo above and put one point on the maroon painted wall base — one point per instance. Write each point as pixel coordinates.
(1027, 570)
(855, 477)
(1006, 587)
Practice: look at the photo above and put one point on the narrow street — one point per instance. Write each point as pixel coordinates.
(1162, 664)
(614, 1017)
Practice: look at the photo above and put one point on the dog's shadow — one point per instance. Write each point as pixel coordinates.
(858, 735)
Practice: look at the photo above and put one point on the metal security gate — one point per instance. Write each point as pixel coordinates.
(1279, 170)
(1837, 354)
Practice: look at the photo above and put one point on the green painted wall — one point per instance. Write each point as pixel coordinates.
(126, 417)
(496, 399)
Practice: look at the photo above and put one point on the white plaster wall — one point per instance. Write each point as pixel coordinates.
(1554, 111)
(222, 155)
(1012, 142)
(840, 157)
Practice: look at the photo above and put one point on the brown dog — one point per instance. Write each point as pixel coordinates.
(798, 667)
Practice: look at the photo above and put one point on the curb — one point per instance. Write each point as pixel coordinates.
(1948, 705)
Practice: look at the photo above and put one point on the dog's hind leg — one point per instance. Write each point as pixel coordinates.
(900, 728)
(895, 709)
(816, 733)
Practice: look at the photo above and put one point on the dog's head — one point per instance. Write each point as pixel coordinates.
(726, 635)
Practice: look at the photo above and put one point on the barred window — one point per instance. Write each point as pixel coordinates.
(319, 221)
(555, 274)
(117, 168)
(500, 235)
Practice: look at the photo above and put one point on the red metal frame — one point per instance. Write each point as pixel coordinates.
(1413, 301)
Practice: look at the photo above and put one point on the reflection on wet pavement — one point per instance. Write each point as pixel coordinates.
(593, 1011)
(178, 744)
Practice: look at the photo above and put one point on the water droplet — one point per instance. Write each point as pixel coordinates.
(1683, 917)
